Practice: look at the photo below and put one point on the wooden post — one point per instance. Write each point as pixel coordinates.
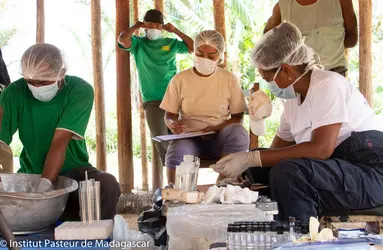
(144, 153)
(219, 21)
(347, 57)
(365, 53)
(159, 5)
(253, 137)
(157, 168)
(98, 80)
(124, 105)
(40, 22)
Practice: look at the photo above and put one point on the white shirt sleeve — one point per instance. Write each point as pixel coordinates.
(237, 101)
(172, 100)
(328, 102)
(284, 130)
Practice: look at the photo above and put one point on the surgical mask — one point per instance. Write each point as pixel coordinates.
(286, 93)
(44, 93)
(205, 66)
(153, 34)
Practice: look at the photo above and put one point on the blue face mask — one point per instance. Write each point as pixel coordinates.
(286, 93)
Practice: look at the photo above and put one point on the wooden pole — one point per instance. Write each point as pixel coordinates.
(124, 105)
(253, 137)
(157, 168)
(144, 153)
(159, 5)
(40, 22)
(347, 57)
(219, 21)
(365, 53)
(98, 80)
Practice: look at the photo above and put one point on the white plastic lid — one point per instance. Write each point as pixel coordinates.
(189, 158)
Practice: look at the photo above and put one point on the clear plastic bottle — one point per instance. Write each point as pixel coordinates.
(249, 236)
(237, 237)
(292, 236)
(280, 237)
(286, 231)
(274, 225)
(255, 234)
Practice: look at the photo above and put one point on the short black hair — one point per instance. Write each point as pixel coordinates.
(154, 16)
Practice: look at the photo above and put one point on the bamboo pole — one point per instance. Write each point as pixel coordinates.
(253, 138)
(365, 56)
(124, 105)
(40, 21)
(159, 5)
(157, 168)
(219, 21)
(144, 153)
(98, 79)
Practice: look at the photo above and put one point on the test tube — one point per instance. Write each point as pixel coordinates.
(255, 234)
(230, 237)
(237, 237)
(97, 201)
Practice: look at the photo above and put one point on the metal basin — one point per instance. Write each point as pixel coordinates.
(27, 212)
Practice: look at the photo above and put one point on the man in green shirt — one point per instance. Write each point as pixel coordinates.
(51, 111)
(155, 59)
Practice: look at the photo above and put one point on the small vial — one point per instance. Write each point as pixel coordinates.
(255, 235)
(261, 236)
(292, 236)
(243, 236)
(268, 236)
(230, 237)
(237, 237)
(286, 231)
(305, 229)
(298, 232)
(249, 236)
(274, 225)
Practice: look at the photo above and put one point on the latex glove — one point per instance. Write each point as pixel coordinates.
(45, 185)
(235, 164)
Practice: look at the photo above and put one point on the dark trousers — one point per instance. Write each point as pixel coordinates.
(352, 179)
(110, 193)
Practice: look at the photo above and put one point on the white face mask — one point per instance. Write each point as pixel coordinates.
(44, 93)
(153, 34)
(205, 66)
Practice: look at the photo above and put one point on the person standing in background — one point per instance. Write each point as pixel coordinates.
(155, 59)
(4, 77)
(329, 27)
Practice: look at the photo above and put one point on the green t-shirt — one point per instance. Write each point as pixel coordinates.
(156, 64)
(37, 121)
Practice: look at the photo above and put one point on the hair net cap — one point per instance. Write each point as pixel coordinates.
(43, 62)
(283, 44)
(211, 38)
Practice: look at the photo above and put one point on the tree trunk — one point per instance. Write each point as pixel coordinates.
(98, 80)
(40, 22)
(365, 53)
(219, 21)
(124, 105)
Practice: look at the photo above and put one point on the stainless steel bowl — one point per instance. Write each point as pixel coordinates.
(32, 212)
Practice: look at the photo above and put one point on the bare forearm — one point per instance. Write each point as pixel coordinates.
(279, 143)
(125, 38)
(170, 118)
(350, 40)
(186, 39)
(298, 151)
(232, 120)
(54, 161)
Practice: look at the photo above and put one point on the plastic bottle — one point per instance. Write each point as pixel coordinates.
(237, 237)
(243, 236)
(267, 236)
(261, 236)
(185, 174)
(280, 237)
(249, 236)
(274, 238)
(286, 231)
(255, 235)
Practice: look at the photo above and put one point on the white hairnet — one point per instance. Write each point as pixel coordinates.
(43, 62)
(283, 44)
(211, 38)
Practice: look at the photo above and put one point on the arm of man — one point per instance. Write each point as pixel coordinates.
(280, 143)
(321, 146)
(125, 38)
(186, 39)
(56, 154)
(350, 23)
(8, 114)
(274, 20)
(71, 126)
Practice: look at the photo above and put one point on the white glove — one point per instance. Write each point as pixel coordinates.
(45, 185)
(235, 164)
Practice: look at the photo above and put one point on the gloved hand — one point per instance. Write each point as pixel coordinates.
(235, 164)
(45, 185)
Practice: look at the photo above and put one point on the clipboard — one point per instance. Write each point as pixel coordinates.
(187, 135)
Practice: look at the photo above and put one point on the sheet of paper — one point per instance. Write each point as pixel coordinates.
(187, 135)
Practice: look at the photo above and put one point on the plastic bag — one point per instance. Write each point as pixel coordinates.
(153, 223)
(122, 233)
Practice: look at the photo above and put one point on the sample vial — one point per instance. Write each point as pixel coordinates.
(230, 237)
(267, 236)
(292, 236)
(243, 236)
(237, 237)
